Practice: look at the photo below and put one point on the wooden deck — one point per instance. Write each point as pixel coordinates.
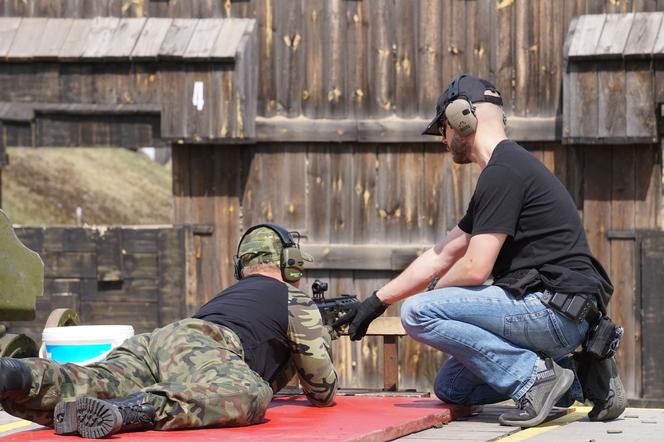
(636, 424)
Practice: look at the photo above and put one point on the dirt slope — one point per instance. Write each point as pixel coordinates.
(111, 186)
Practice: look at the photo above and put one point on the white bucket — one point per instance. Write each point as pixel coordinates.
(82, 344)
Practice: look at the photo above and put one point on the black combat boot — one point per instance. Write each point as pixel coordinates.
(551, 383)
(15, 378)
(95, 418)
(601, 385)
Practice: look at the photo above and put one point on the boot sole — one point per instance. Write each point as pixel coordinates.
(562, 385)
(89, 417)
(617, 406)
(65, 420)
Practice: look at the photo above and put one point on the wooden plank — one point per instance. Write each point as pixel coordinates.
(140, 265)
(288, 57)
(611, 100)
(27, 38)
(227, 210)
(143, 316)
(584, 110)
(228, 40)
(597, 202)
(172, 274)
(69, 239)
(502, 50)
(356, 47)
(658, 45)
(429, 34)
(613, 38)
(335, 92)
(69, 264)
(386, 326)
(204, 38)
(312, 41)
(640, 107)
(109, 255)
(651, 259)
(100, 37)
(643, 34)
(405, 78)
(177, 38)
(586, 36)
(140, 240)
(363, 208)
(624, 303)
(363, 256)
(8, 28)
(381, 66)
(341, 187)
(319, 182)
(76, 41)
(386, 130)
(151, 38)
(551, 41)
(648, 186)
(526, 66)
(124, 38)
(243, 87)
(454, 41)
(54, 36)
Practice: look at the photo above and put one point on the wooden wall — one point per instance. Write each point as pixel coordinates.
(379, 198)
(373, 59)
(114, 275)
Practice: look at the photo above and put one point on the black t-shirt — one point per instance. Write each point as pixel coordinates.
(256, 309)
(517, 195)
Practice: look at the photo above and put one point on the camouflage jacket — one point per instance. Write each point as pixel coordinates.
(310, 351)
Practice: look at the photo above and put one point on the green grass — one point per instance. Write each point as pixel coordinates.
(112, 186)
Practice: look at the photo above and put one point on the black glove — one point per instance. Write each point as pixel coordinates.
(361, 316)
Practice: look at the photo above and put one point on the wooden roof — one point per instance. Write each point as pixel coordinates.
(102, 38)
(612, 36)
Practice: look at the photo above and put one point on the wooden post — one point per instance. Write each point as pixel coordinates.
(390, 363)
(390, 329)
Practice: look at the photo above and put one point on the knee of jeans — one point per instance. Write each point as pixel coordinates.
(444, 390)
(413, 315)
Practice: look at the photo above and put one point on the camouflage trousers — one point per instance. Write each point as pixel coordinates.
(192, 371)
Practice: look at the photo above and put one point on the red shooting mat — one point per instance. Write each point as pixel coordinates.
(291, 418)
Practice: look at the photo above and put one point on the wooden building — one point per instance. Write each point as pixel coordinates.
(342, 90)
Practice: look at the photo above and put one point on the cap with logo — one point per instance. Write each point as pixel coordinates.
(472, 89)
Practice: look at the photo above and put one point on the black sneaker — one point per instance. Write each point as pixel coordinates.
(94, 418)
(550, 385)
(602, 386)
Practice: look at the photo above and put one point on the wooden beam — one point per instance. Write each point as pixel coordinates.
(362, 257)
(386, 130)
(386, 326)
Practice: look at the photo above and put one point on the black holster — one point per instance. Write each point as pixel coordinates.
(603, 339)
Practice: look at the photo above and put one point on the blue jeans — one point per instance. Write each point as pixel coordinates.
(493, 337)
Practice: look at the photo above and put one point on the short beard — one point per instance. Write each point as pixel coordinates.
(460, 149)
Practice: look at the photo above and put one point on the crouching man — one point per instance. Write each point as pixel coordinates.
(218, 368)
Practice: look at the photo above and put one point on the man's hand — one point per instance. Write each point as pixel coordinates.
(361, 316)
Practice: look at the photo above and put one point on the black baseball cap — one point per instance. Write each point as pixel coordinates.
(473, 89)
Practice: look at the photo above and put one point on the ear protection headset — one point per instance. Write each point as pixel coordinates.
(460, 112)
(291, 261)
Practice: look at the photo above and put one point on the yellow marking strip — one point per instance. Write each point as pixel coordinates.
(578, 414)
(14, 425)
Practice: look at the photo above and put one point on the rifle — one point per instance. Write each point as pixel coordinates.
(333, 308)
